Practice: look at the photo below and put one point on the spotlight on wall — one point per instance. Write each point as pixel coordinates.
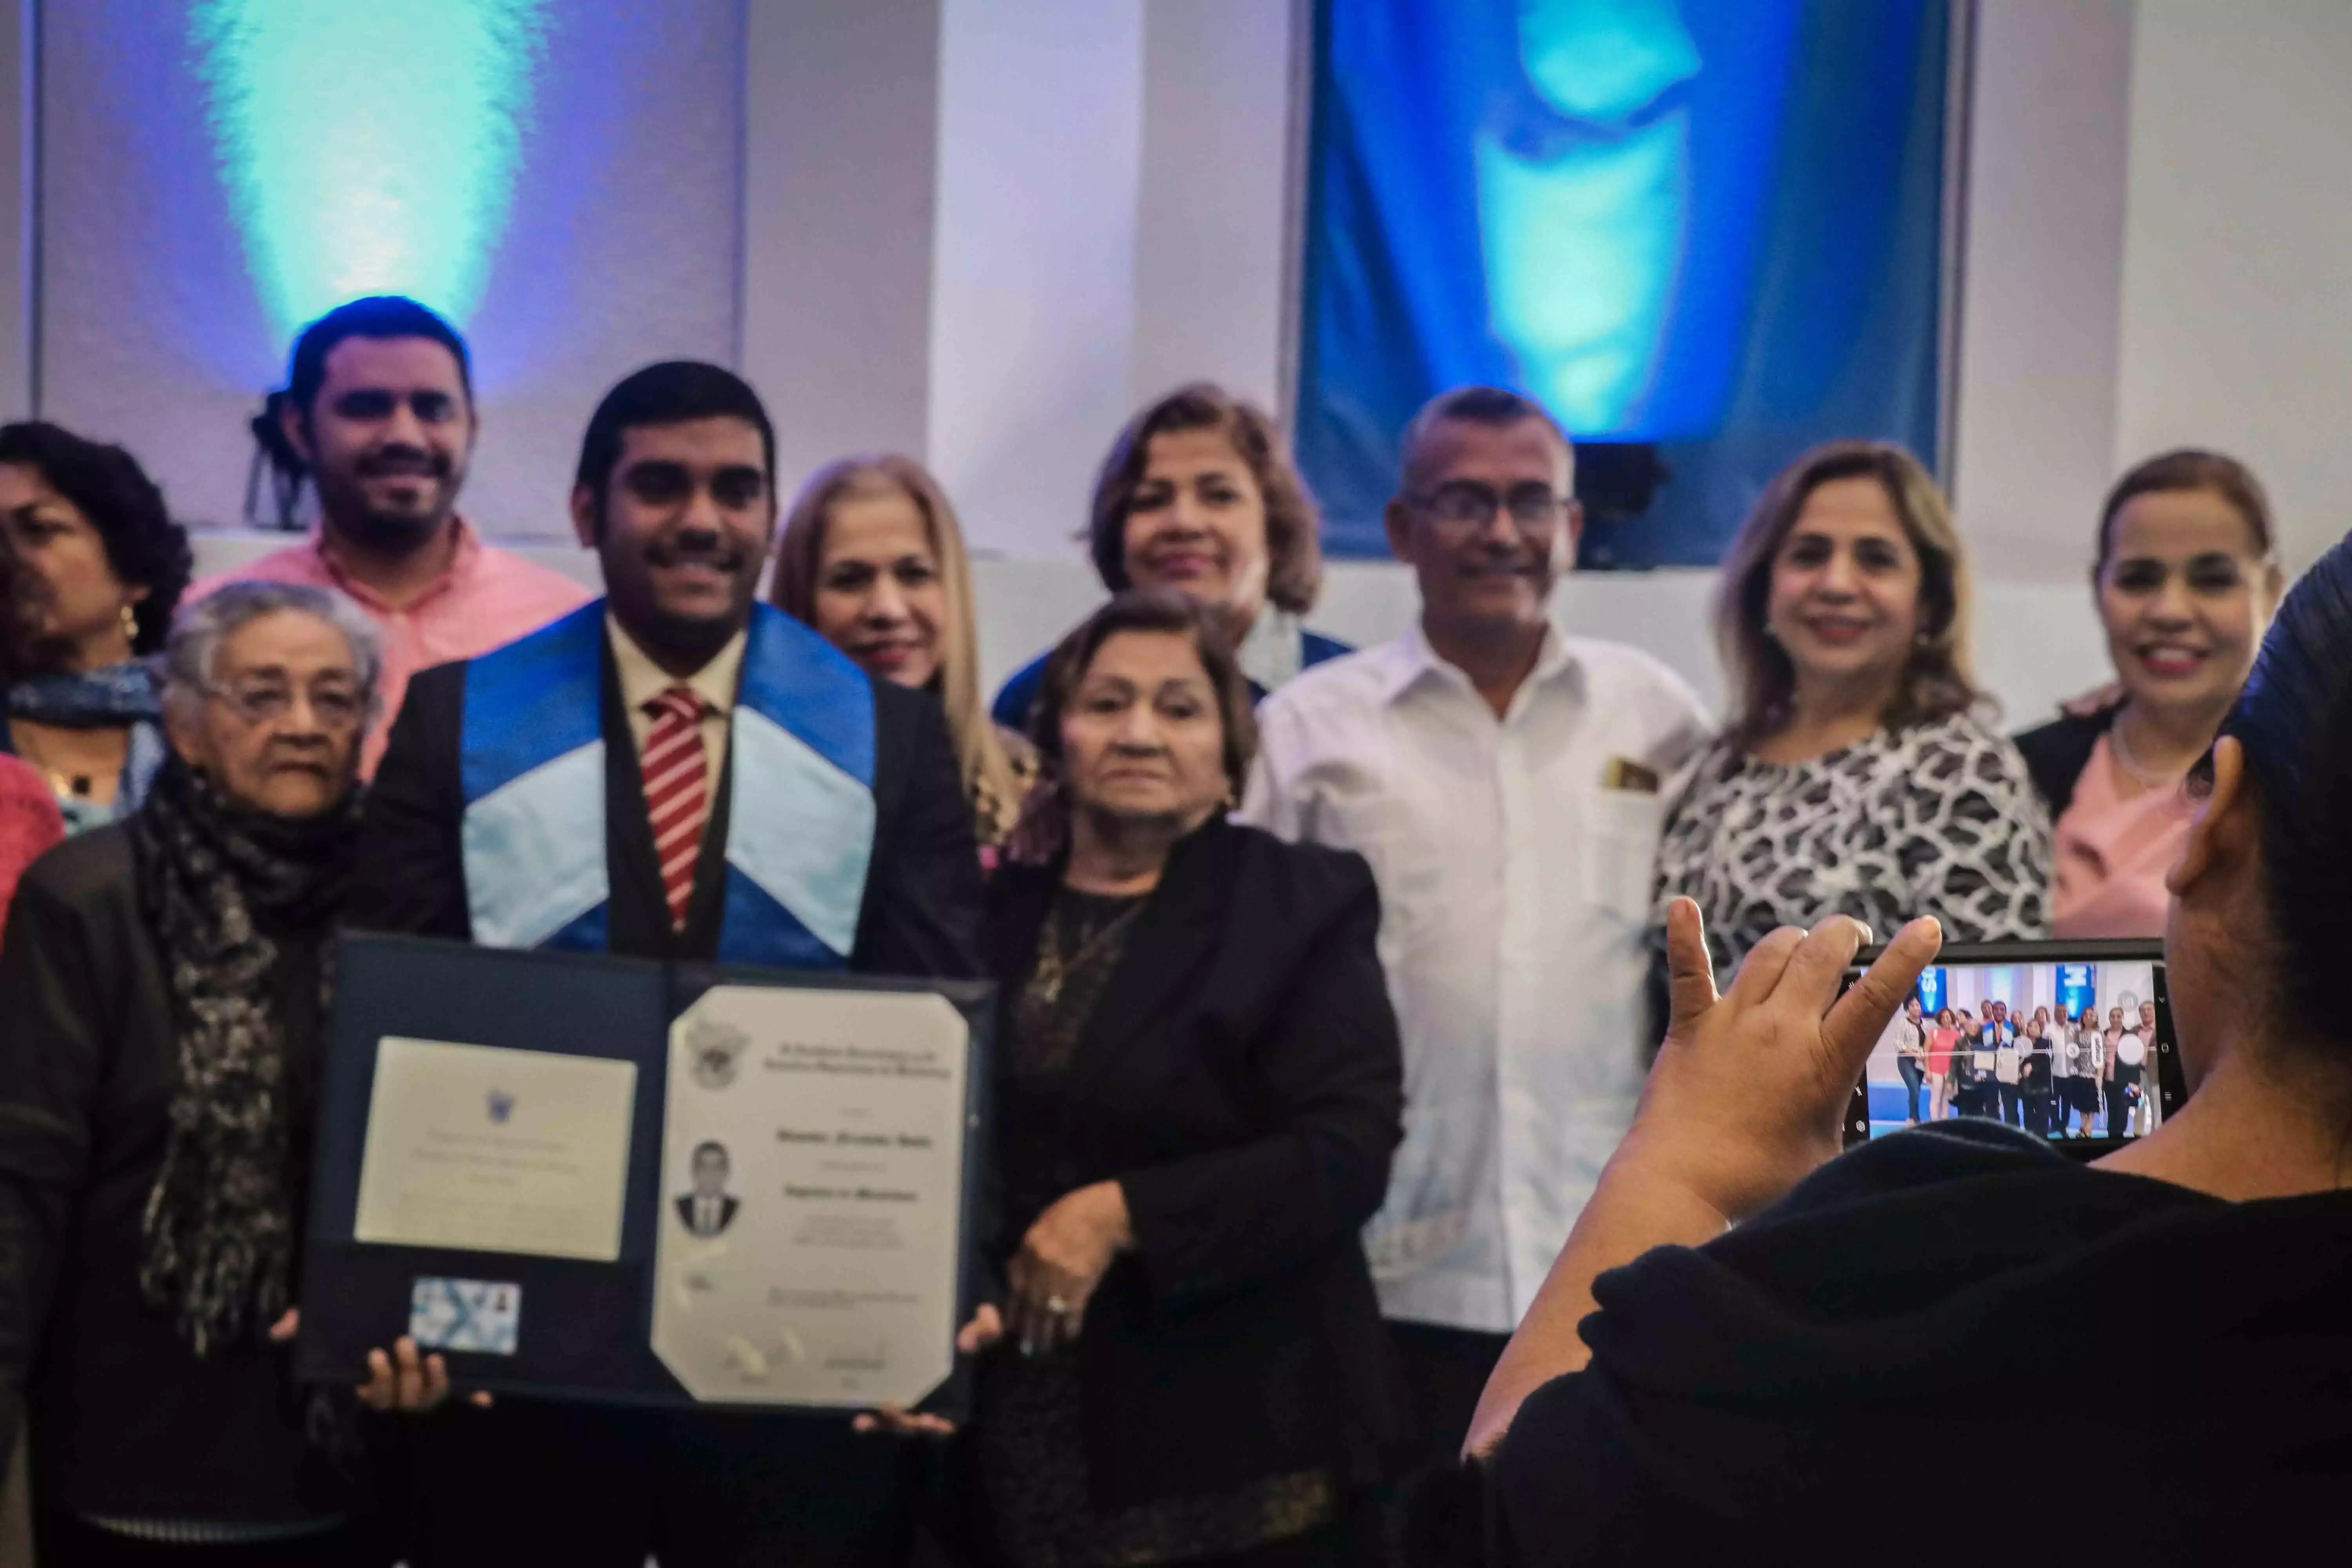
(368, 149)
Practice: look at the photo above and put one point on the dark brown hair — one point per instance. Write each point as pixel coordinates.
(2295, 722)
(1294, 546)
(105, 483)
(2191, 468)
(1937, 682)
(1135, 611)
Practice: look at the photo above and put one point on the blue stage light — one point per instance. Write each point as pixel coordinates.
(368, 147)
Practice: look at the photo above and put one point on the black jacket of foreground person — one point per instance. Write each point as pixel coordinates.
(2124, 1370)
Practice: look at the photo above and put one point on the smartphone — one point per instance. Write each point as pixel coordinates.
(2069, 1041)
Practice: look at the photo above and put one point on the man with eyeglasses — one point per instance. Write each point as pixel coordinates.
(1507, 785)
(683, 774)
(378, 415)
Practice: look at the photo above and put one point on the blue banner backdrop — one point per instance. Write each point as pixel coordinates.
(1714, 226)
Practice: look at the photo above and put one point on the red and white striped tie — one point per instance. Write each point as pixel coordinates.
(677, 793)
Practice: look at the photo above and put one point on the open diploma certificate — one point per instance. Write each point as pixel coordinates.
(496, 1151)
(809, 1241)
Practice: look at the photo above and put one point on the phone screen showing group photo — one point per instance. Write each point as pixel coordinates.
(2062, 1050)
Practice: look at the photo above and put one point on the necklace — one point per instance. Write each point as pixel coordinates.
(2122, 753)
(63, 782)
(1054, 964)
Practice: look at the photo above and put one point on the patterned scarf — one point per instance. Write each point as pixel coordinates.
(215, 881)
(96, 700)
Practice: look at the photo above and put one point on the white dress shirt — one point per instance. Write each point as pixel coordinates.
(1515, 891)
(642, 680)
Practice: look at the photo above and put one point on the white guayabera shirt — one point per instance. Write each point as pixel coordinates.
(1515, 861)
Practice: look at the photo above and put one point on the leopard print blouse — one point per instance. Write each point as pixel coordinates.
(1938, 819)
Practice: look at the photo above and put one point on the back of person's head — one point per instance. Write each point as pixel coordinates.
(1293, 526)
(673, 392)
(106, 484)
(1495, 407)
(2293, 721)
(2191, 469)
(1939, 681)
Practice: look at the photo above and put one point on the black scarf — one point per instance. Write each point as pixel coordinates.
(216, 881)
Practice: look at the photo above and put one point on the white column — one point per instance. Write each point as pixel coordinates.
(2040, 299)
(1213, 233)
(2237, 299)
(840, 165)
(1034, 263)
(19, 205)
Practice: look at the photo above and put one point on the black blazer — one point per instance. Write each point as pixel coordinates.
(1241, 1078)
(2057, 754)
(922, 894)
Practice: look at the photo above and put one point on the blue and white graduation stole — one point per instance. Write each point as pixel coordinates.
(800, 826)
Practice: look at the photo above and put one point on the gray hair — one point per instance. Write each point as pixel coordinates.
(1492, 407)
(192, 655)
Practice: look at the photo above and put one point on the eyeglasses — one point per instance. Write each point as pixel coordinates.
(1467, 505)
(266, 702)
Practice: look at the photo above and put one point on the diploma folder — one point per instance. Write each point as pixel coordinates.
(523, 1322)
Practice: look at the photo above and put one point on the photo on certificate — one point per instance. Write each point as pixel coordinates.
(814, 1139)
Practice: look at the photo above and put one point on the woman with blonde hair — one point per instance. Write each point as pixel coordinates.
(1855, 775)
(872, 557)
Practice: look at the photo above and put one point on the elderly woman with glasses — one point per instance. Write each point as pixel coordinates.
(167, 979)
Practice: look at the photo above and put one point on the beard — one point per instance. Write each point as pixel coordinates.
(395, 533)
(345, 502)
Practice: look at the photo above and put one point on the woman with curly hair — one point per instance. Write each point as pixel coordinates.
(95, 568)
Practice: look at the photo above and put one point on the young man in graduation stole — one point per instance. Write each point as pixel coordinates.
(578, 790)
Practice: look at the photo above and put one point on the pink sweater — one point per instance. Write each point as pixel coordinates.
(29, 826)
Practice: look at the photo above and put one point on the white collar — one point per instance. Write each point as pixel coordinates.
(1417, 661)
(642, 679)
(1272, 653)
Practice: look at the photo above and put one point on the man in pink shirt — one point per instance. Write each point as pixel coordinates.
(378, 412)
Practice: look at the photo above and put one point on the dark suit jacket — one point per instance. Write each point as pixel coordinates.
(2057, 754)
(922, 894)
(1241, 1078)
(727, 1207)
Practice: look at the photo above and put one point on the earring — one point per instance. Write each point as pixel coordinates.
(130, 626)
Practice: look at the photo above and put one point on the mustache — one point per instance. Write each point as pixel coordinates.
(403, 460)
(696, 547)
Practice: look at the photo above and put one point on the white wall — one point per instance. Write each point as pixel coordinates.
(981, 230)
(2236, 296)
